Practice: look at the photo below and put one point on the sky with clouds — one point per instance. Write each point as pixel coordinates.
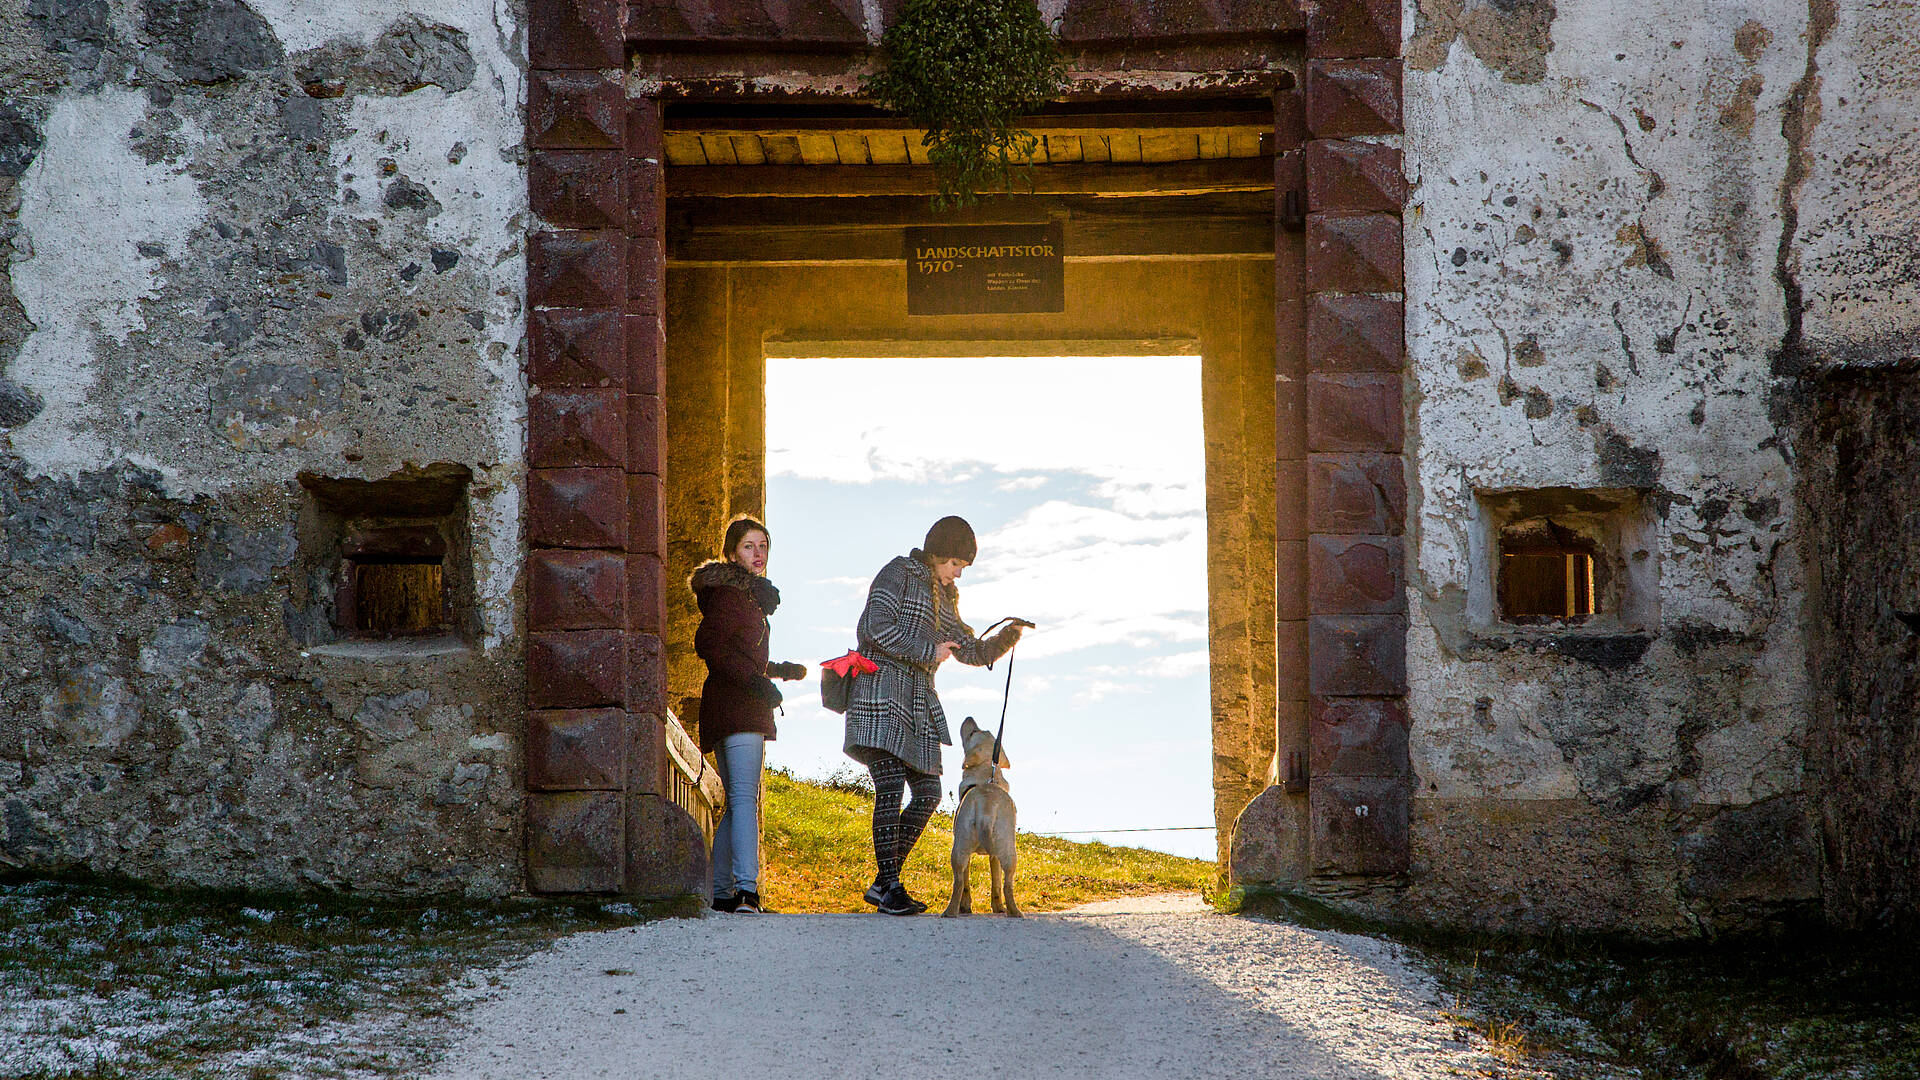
(1084, 479)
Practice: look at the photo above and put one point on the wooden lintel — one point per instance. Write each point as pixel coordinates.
(1254, 120)
(758, 239)
(776, 181)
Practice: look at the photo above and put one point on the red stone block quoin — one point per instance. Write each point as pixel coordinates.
(576, 590)
(576, 750)
(577, 428)
(1353, 28)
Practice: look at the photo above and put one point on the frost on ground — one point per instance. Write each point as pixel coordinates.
(104, 982)
(99, 982)
(1162, 987)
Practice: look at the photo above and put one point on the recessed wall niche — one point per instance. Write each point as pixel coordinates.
(386, 560)
(1582, 560)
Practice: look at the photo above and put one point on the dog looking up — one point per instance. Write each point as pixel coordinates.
(983, 823)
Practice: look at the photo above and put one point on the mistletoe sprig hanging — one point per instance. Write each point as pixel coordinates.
(966, 71)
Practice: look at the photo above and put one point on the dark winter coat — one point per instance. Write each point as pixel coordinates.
(733, 639)
(895, 709)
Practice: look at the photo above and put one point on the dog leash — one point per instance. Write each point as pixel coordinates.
(1006, 695)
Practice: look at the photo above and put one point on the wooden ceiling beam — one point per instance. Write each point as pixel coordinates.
(1256, 120)
(790, 181)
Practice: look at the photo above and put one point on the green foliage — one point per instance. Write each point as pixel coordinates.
(966, 71)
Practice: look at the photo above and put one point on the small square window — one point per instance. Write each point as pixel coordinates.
(1566, 559)
(385, 559)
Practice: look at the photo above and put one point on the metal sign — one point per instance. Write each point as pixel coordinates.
(985, 269)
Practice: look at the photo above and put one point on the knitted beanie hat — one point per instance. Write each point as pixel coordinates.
(951, 538)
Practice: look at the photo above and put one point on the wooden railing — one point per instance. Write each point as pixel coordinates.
(696, 786)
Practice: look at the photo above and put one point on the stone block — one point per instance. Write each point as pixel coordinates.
(1356, 575)
(1270, 840)
(1353, 97)
(646, 197)
(646, 690)
(576, 750)
(575, 842)
(646, 342)
(1290, 580)
(645, 132)
(646, 593)
(1290, 499)
(1354, 253)
(1352, 736)
(577, 428)
(1120, 22)
(648, 767)
(577, 270)
(1291, 657)
(1289, 123)
(646, 515)
(1356, 493)
(1355, 333)
(576, 590)
(576, 348)
(646, 435)
(1347, 175)
(1289, 418)
(1354, 413)
(807, 24)
(575, 110)
(1353, 28)
(1359, 824)
(578, 189)
(1357, 655)
(575, 34)
(646, 264)
(576, 669)
(577, 508)
(666, 851)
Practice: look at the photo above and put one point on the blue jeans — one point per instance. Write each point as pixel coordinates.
(736, 840)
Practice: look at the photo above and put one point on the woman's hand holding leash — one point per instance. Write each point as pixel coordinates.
(944, 651)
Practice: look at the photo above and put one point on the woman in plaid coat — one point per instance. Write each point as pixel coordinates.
(895, 726)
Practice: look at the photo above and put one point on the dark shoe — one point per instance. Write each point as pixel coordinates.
(726, 903)
(875, 893)
(750, 905)
(897, 902)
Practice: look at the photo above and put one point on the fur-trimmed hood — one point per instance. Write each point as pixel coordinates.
(727, 574)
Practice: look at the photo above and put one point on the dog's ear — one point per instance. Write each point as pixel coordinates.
(967, 728)
(1005, 761)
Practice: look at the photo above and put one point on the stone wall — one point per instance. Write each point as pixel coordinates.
(1861, 451)
(1855, 266)
(1592, 305)
(251, 254)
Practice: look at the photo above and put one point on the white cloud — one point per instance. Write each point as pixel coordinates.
(1113, 417)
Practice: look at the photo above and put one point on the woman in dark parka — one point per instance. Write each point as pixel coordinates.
(737, 702)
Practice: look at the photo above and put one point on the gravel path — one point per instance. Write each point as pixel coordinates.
(1160, 987)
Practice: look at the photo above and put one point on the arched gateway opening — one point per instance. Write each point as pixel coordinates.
(727, 199)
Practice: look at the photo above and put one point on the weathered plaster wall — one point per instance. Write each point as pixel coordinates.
(239, 243)
(1598, 209)
(720, 319)
(1854, 261)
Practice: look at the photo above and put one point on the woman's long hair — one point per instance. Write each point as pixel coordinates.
(737, 530)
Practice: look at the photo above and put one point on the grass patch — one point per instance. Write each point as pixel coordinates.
(108, 979)
(818, 840)
(1802, 1003)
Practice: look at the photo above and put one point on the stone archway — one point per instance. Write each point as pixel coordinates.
(604, 807)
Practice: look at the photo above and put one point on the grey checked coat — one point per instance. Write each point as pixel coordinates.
(895, 709)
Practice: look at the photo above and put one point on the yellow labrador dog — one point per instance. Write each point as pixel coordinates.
(983, 823)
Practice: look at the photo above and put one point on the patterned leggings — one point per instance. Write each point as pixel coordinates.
(895, 831)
